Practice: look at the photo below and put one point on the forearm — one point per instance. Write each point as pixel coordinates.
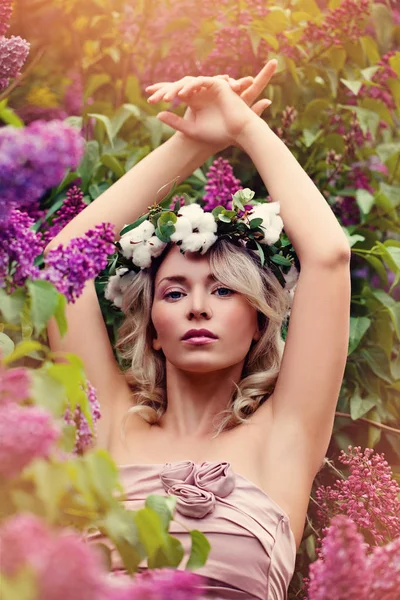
(129, 197)
(308, 220)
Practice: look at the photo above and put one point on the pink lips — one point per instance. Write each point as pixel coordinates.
(199, 334)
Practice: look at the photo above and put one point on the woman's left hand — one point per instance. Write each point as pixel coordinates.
(216, 113)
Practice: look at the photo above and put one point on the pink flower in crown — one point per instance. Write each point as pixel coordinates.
(196, 486)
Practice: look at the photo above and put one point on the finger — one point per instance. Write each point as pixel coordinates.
(242, 84)
(260, 106)
(175, 122)
(155, 86)
(260, 81)
(192, 86)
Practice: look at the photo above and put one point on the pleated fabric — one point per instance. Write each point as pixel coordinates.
(253, 549)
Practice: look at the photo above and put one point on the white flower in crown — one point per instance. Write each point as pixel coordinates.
(195, 229)
(117, 284)
(272, 223)
(141, 245)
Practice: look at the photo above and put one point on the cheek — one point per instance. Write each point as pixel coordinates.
(163, 320)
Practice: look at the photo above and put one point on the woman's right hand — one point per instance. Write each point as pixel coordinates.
(248, 88)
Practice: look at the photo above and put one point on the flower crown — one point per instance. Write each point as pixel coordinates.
(195, 230)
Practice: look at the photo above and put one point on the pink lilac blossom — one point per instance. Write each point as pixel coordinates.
(69, 268)
(384, 564)
(161, 584)
(381, 91)
(340, 571)
(345, 23)
(26, 433)
(19, 246)
(71, 207)
(30, 113)
(65, 567)
(6, 9)
(34, 159)
(84, 436)
(369, 496)
(14, 385)
(13, 54)
(221, 184)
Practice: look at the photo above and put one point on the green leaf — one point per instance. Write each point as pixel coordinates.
(369, 72)
(378, 266)
(169, 555)
(163, 506)
(25, 348)
(167, 218)
(378, 362)
(150, 529)
(11, 305)
(89, 162)
(44, 301)
(365, 200)
(199, 551)
(254, 223)
(111, 162)
(122, 115)
(369, 120)
(353, 86)
(107, 125)
(47, 392)
(6, 345)
(358, 328)
(9, 116)
(94, 83)
(22, 585)
(360, 406)
(224, 218)
(131, 226)
(387, 150)
(281, 260)
(59, 315)
(261, 252)
(311, 136)
(102, 474)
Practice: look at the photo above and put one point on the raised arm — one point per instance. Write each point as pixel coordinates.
(123, 203)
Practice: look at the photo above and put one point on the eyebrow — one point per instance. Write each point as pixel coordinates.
(182, 279)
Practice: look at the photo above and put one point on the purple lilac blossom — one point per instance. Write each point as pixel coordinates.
(72, 206)
(13, 54)
(26, 433)
(34, 159)
(84, 436)
(221, 184)
(6, 9)
(69, 268)
(73, 96)
(19, 246)
(340, 572)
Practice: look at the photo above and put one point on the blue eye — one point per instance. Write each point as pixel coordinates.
(169, 294)
(225, 289)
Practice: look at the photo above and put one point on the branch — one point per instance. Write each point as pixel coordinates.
(370, 422)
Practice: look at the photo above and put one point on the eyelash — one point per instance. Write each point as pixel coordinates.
(168, 294)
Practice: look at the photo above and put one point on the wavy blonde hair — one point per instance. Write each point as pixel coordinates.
(239, 269)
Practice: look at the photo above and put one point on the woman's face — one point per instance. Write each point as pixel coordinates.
(196, 301)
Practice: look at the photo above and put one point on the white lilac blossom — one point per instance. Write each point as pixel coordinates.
(272, 223)
(141, 245)
(117, 285)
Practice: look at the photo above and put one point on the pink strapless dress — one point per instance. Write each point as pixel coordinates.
(253, 549)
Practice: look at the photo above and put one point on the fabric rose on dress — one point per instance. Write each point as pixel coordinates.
(272, 223)
(141, 245)
(192, 501)
(196, 486)
(216, 477)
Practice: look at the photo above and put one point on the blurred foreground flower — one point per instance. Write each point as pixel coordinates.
(14, 385)
(34, 159)
(26, 433)
(64, 567)
(344, 571)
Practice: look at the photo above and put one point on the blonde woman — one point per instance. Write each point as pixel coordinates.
(215, 407)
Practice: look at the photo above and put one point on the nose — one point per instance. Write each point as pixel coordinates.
(199, 305)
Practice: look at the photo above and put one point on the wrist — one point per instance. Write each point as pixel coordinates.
(200, 150)
(251, 130)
